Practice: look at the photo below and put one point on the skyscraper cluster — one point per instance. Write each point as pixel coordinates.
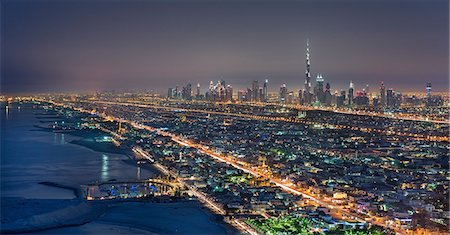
(254, 94)
(219, 91)
(320, 95)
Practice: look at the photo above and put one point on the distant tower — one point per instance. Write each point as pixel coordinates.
(283, 93)
(255, 90)
(368, 91)
(383, 94)
(350, 94)
(318, 90)
(428, 90)
(198, 91)
(265, 90)
(307, 95)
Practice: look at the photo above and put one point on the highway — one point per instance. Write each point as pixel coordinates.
(287, 187)
(398, 116)
(284, 119)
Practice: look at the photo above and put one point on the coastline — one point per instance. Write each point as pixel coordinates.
(28, 215)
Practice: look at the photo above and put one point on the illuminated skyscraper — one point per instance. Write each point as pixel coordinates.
(283, 93)
(255, 90)
(390, 98)
(197, 95)
(265, 90)
(382, 95)
(327, 95)
(351, 94)
(307, 95)
(428, 90)
(229, 93)
(318, 89)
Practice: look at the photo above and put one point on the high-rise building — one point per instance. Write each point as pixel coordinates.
(428, 90)
(368, 91)
(229, 93)
(327, 95)
(341, 100)
(197, 94)
(265, 90)
(300, 97)
(361, 99)
(390, 98)
(318, 89)
(283, 93)
(290, 98)
(255, 90)
(351, 94)
(170, 93)
(307, 93)
(186, 92)
(382, 95)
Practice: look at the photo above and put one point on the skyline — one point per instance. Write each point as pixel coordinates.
(154, 45)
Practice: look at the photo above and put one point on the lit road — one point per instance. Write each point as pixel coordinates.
(398, 116)
(285, 186)
(284, 119)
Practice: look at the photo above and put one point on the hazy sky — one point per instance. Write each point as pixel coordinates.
(88, 45)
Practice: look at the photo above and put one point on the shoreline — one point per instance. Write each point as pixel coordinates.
(22, 215)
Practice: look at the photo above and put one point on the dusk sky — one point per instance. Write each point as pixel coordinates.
(51, 46)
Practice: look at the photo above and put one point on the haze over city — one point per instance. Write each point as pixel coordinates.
(238, 117)
(51, 46)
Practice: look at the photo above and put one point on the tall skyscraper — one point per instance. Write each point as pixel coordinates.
(318, 89)
(327, 95)
(428, 90)
(229, 93)
(351, 94)
(265, 90)
(307, 95)
(283, 93)
(255, 90)
(197, 95)
(186, 92)
(390, 98)
(382, 95)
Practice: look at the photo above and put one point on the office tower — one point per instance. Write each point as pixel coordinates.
(327, 94)
(390, 99)
(361, 99)
(300, 96)
(350, 94)
(255, 90)
(290, 98)
(368, 91)
(341, 100)
(283, 93)
(318, 89)
(382, 95)
(265, 90)
(170, 93)
(197, 95)
(428, 90)
(229, 93)
(307, 94)
(334, 98)
(248, 96)
(186, 92)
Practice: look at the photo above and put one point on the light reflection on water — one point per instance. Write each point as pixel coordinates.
(105, 168)
(138, 172)
(30, 156)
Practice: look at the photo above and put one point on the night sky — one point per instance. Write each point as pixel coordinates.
(51, 46)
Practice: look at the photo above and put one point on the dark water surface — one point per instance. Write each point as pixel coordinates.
(30, 156)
